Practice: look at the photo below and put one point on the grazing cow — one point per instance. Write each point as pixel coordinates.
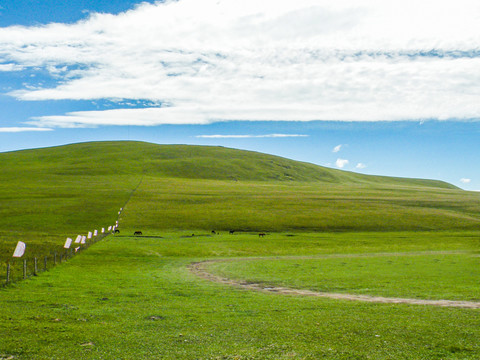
(213, 232)
(116, 231)
(261, 235)
(231, 232)
(137, 233)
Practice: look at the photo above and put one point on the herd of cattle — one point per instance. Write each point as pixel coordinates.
(231, 232)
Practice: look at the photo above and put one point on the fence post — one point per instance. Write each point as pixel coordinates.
(8, 273)
(45, 263)
(35, 268)
(24, 269)
(55, 258)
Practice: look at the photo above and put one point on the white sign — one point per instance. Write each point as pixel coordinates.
(19, 250)
(95, 233)
(83, 240)
(68, 243)
(109, 228)
(89, 235)
(103, 230)
(78, 239)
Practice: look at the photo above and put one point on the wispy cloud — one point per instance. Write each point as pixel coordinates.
(21, 129)
(341, 163)
(228, 60)
(360, 166)
(465, 181)
(250, 136)
(337, 148)
(10, 67)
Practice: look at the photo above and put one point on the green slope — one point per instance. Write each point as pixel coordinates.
(184, 161)
(49, 194)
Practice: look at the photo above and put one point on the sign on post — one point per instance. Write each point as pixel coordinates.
(68, 242)
(95, 233)
(19, 250)
(89, 236)
(78, 239)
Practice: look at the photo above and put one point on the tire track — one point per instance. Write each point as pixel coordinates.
(199, 269)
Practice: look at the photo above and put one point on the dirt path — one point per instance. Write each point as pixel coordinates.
(199, 269)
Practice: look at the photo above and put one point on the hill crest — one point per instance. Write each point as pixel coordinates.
(188, 161)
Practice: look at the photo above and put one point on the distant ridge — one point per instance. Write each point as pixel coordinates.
(187, 161)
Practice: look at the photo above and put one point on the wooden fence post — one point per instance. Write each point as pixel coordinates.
(24, 269)
(35, 267)
(55, 258)
(45, 263)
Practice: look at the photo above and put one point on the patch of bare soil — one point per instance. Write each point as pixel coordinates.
(199, 269)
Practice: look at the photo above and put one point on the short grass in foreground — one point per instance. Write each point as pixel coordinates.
(134, 298)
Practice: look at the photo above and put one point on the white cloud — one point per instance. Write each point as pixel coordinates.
(10, 67)
(249, 136)
(337, 148)
(21, 129)
(229, 60)
(361, 166)
(341, 163)
(465, 181)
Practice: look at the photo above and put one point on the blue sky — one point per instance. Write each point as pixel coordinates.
(377, 87)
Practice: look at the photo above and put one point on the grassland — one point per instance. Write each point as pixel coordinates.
(134, 297)
(49, 194)
(433, 276)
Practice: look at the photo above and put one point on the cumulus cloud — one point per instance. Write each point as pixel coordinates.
(214, 60)
(361, 166)
(341, 163)
(465, 181)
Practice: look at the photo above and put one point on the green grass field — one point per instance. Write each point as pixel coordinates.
(134, 298)
(131, 297)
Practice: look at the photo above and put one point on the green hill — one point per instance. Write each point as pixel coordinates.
(51, 193)
(184, 161)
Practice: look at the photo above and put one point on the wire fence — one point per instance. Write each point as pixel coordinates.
(17, 269)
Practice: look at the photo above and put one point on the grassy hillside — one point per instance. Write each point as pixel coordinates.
(183, 161)
(49, 194)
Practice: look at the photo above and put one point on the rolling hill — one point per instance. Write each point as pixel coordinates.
(184, 161)
(48, 194)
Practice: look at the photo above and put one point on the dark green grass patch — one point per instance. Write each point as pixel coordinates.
(163, 204)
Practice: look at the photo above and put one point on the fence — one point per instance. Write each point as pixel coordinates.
(22, 268)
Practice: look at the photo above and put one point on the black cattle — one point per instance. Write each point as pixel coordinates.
(137, 233)
(261, 235)
(231, 232)
(116, 231)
